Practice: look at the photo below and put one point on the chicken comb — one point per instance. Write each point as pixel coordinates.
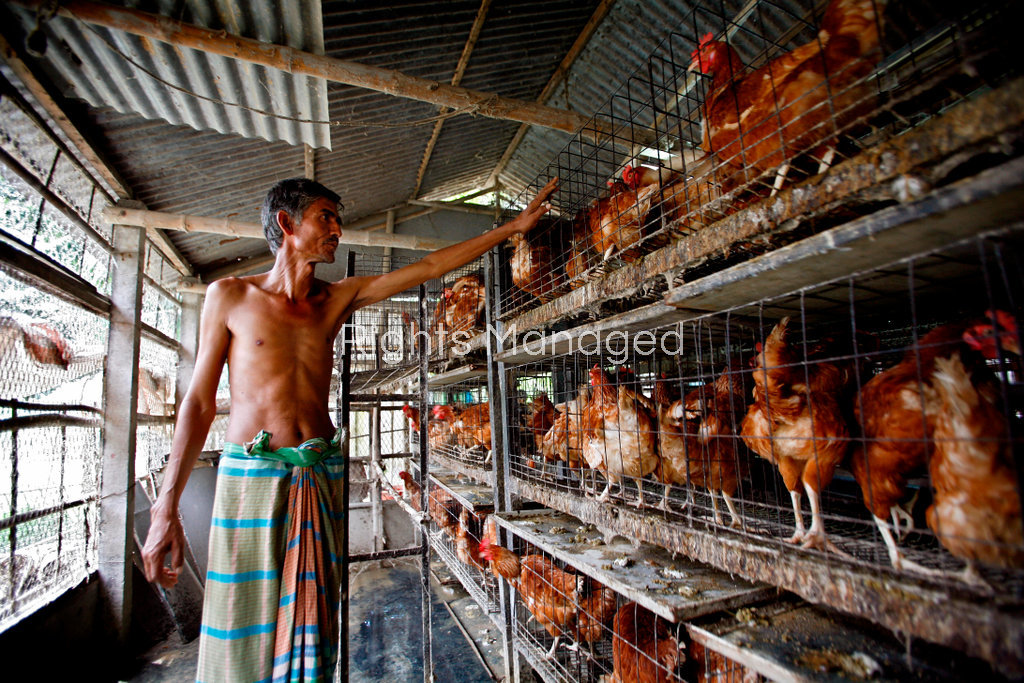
(708, 37)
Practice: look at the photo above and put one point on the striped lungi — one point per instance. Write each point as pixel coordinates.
(277, 549)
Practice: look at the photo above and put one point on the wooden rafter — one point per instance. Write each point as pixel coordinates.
(460, 69)
(560, 74)
(290, 60)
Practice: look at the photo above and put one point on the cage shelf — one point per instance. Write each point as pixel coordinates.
(789, 640)
(456, 459)
(389, 379)
(475, 498)
(673, 588)
(481, 586)
(457, 375)
(455, 533)
(942, 613)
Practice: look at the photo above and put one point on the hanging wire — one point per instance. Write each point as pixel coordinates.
(469, 109)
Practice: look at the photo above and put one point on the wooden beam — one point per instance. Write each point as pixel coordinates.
(309, 161)
(49, 103)
(449, 206)
(229, 226)
(290, 60)
(460, 69)
(378, 221)
(560, 73)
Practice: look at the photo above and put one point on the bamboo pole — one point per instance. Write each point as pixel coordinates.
(290, 60)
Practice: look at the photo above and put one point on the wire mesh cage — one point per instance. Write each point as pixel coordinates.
(51, 397)
(384, 334)
(712, 666)
(456, 531)
(456, 321)
(459, 428)
(740, 102)
(572, 626)
(848, 405)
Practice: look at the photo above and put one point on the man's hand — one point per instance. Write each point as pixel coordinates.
(166, 535)
(539, 206)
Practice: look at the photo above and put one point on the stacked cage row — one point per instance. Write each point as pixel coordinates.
(853, 403)
(740, 103)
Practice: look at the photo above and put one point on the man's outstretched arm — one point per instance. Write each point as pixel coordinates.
(379, 287)
(197, 412)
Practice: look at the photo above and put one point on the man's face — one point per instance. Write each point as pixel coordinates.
(318, 232)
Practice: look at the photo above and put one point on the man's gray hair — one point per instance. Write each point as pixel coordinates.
(292, 196)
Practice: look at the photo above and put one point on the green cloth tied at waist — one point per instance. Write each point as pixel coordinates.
(306, 454)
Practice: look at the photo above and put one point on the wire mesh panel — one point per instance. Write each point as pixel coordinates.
(872, 421)
(576, 612)
(562, 619)
(457, 313)
(737, 104)
(51, 389)
(459, 429)
(456, 532)
(384, 334)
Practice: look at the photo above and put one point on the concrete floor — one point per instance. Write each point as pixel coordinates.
(385, 633)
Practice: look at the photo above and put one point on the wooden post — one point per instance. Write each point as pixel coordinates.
(120, 401)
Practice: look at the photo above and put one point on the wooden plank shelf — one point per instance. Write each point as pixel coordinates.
(674, 588)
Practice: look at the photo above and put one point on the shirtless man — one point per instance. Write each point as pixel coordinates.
(276, 331)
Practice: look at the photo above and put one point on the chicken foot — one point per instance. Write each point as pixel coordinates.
(729, 503)
(780, 178)
(554, 646)
(904, 512)
(895, 556)
(816, 536)
(800, 532)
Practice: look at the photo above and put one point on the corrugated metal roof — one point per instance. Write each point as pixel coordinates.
(109, 68)
(378, 141)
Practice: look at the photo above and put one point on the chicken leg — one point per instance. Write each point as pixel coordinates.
(816, 536)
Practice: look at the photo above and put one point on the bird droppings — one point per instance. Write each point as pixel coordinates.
(854, 665)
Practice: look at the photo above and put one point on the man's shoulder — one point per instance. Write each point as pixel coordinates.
(231, 286)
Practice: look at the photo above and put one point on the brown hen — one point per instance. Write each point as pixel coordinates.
(976, 509)
(797, 424)
(644, 648)
(797, 102)
(898, 435)
(619, 434)
(699, 445)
